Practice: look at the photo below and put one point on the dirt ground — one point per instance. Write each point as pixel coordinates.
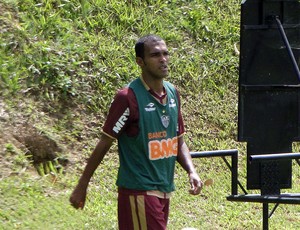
(22, 145)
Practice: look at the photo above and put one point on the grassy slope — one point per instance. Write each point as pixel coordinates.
(68, 59)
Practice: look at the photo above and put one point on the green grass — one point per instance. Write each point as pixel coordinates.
(31, 202)
(60, 65)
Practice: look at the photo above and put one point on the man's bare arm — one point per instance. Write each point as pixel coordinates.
(78, 196)
(185, 160)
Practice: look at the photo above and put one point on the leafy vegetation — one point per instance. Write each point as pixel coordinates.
(61, 63)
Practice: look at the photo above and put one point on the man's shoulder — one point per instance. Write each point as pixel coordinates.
(169, 85)
(125, 92)
(125, 97)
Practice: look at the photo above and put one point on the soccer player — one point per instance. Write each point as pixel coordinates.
(145, 118)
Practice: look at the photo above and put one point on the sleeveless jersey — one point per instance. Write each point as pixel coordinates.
(147, 161)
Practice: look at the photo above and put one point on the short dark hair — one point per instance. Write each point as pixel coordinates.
(140, 44)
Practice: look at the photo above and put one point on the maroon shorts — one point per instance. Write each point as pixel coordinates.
(139, 211)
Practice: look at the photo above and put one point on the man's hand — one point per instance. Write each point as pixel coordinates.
(196, 183)
(78, 196)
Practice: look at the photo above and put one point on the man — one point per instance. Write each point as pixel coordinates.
(146, 120)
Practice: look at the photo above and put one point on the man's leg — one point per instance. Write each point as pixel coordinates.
(139, 211)
(157, 212)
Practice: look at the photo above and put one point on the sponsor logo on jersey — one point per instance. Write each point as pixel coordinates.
(150, 107)
(157, 135)
(121, 122)
(165, 148)
(165, 120)
(172, 103)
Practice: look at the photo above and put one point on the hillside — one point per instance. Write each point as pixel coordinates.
(63, 58)
(61, 63)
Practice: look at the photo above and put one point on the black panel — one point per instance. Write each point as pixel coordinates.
(269, 88)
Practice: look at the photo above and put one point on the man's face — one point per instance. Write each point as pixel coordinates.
(156, 59)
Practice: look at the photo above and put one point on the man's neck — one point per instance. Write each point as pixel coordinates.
(156, 85)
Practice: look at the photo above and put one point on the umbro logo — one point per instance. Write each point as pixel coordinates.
(150, 107)
(172, 103)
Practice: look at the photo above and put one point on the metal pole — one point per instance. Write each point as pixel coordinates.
(274, 156)
(214, 153)
(288, 47)
(234, 174)
(265, 216)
